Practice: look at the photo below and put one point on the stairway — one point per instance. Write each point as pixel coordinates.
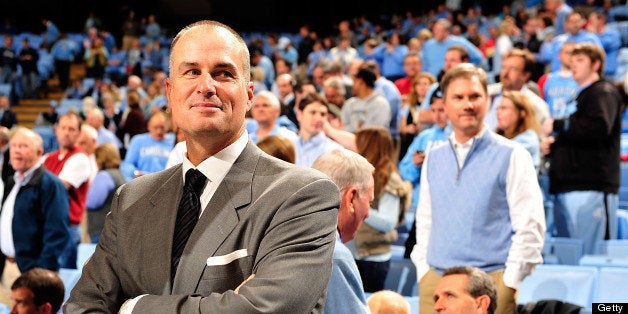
(28, 109)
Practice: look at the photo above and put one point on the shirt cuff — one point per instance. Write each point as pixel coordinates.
(128, 305)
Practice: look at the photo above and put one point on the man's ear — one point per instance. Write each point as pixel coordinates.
(46, 308)
(348, 196)
(482, 303)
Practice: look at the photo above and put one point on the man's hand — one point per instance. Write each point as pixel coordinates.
(418, 158)
(237, 290)
(546, 145)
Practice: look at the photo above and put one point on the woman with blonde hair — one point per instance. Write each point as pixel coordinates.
(516, 121)
(410, 125)
(102, 189)
(371, 247)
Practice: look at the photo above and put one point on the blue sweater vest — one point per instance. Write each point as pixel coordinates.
(470, 214)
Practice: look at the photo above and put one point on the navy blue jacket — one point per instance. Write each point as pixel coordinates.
(41, 223)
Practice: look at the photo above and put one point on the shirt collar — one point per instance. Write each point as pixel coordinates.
(455, 142)
(215, 168)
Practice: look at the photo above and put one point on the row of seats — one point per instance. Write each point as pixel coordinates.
(580, 285)
(569, 251)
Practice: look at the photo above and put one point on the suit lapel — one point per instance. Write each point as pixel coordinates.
(217, 221)
(158, 242)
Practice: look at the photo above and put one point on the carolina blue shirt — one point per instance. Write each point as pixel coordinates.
(560, 90)
(611, 42)
(433, 53)
(308, 151)
(64, 49)
(146, 154)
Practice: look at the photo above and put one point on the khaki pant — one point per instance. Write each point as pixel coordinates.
(506, 303)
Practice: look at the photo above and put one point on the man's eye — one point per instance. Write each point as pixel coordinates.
(225, 74)
(192, 72)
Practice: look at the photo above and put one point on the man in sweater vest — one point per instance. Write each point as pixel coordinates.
(71, 164)
(480, 204)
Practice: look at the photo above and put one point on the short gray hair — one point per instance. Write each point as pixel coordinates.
(270, 96)
(346, 168)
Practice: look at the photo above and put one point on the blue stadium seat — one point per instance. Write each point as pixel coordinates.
(402, 277)
(618, 247)
(5, 89)
(85, 251)
(567, 283)
(48, 136)
(567, 251)
(69, 277)
(414, 304)
(612, 285)
(604, 261)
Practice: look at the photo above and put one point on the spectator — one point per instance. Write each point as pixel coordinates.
(265, 112)
(353, 175)
(472, 289)
(63, 52)
(131, 30)
(517, 66)
(409, 125)
(107, 181)
(610, 39)
(88, 141)
(51, 34)
(435, 48)
(584, 154)
(412, 162)
(34, 217)
(9, 118)
(134, 123)
(28, 61)
(368, 107)
(148, 152)
(153, 29)
(8, 61)
(95, 58)
(516, 121)
(312, 140)
(574, 32)
(371, 247)
(37, 291)
(509, 198)
(69, 163)
(412, 66)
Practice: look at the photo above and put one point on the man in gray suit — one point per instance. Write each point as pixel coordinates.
(266, 231)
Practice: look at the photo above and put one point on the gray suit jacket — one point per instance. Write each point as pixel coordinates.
(267, 217)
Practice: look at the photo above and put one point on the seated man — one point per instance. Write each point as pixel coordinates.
(148, 152)
(265, 114)
(465, 290)
(37, 291)
(353, 175)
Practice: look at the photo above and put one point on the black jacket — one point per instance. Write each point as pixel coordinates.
(586, 153)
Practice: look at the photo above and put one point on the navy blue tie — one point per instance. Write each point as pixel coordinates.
(187, 215)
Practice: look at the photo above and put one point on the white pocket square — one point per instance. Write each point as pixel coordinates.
(226, 259)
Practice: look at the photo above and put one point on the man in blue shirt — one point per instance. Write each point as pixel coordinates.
(354, 176)
(148, 152)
